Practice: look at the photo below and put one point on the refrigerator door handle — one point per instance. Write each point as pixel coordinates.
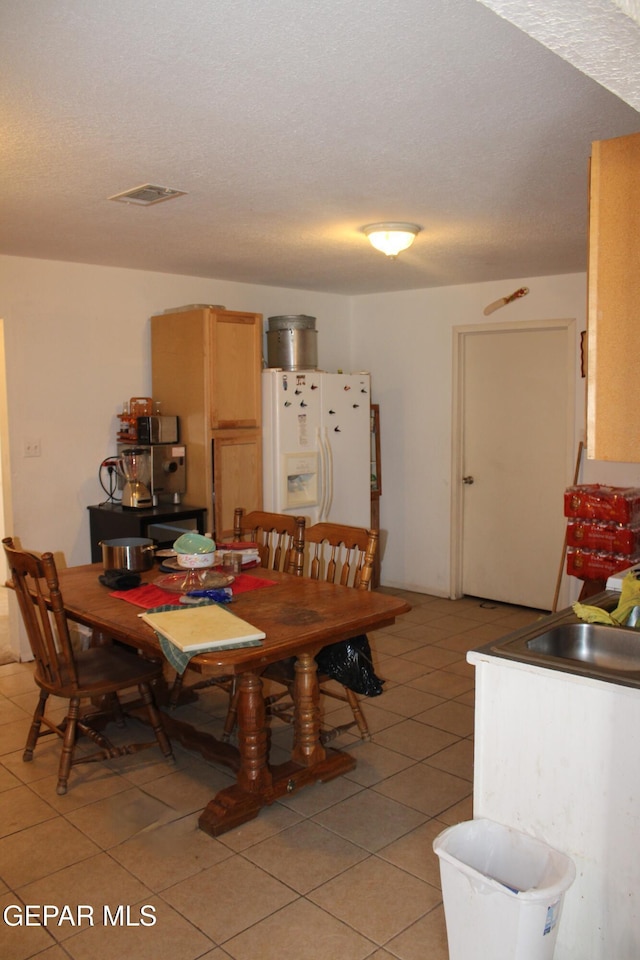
(323, 472)
(329, 472)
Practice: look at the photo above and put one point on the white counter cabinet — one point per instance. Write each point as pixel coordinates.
(558, 756)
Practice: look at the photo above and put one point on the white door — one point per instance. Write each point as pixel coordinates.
(516, 419)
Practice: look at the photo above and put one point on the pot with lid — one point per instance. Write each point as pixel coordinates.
(292, 342)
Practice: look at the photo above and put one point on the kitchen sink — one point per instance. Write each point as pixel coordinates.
(563, 642)
(613, 648)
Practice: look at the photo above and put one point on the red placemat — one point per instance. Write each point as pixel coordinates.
(243, 582)
(149, 595)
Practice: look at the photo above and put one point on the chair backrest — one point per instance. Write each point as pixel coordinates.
(341, 554)
(280, 538)
(35, 580)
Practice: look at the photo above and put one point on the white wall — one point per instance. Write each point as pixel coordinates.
(405, 340)
(77, 345)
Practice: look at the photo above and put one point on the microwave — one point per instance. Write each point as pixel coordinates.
(157, 430)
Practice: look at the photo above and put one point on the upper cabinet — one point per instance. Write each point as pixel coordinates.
(613, 357)
(236, 339)
(206, 365)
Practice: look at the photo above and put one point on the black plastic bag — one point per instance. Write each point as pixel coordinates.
(349, 662)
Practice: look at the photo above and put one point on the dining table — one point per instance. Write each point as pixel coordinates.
(299, 616)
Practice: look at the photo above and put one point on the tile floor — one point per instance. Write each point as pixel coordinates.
(340, 870)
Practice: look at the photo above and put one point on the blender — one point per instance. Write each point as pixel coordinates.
(134, 465)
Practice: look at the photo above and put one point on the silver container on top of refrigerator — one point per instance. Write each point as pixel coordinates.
(292, 342)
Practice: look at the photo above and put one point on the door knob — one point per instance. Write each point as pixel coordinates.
(468, 480)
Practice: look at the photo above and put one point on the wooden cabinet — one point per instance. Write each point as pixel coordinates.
(235, 344)
(613, 367)
(237, 475)
(206, 368)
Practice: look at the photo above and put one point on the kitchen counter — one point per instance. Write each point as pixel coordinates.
(521, 646)
(555, 757)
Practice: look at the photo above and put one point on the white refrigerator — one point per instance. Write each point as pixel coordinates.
(317, 445)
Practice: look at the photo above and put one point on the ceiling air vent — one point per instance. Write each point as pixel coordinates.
(147, 194)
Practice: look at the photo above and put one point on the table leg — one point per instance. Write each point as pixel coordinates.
(310, 762)
(307, 749)
(257, 783)
(253, 736)
(254, 786)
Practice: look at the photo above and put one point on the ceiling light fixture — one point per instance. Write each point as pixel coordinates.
(391, 238)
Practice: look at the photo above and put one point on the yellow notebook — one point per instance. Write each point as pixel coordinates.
(197, 629)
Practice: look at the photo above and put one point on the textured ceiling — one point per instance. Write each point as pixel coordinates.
(599, 37)
(290, 125)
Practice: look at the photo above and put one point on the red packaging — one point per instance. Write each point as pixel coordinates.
(593, 501)
(596, 564)
(600, 535)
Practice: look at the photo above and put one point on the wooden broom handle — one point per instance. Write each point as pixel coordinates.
(564, 546)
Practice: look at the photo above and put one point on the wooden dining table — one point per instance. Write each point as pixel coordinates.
(299, 616)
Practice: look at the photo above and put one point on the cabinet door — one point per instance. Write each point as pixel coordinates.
(237, 476)
(180, 383)
(236, 365)
(614, 299)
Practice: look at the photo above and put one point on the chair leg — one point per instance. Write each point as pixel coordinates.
(116, 708)
(181, 693)
(354, 703)
(156, 721)
(176, 689)
(34, 729)
(68, 745)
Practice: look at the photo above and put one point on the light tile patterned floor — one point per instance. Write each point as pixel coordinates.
(341, 870)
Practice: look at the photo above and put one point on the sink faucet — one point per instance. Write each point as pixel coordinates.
(633, 620)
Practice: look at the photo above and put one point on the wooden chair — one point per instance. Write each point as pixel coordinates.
(351, 554)
(339, 554)
(99, 672)
(280, 540)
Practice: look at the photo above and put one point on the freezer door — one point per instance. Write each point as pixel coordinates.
(291, 421)
(345, 449)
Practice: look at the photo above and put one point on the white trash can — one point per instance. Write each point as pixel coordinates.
(502, 891)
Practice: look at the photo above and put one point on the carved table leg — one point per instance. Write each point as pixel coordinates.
(307, 749)
(253, 788)
(253, 735)
(258, 784)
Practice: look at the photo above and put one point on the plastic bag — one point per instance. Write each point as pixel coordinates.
(349, 662)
